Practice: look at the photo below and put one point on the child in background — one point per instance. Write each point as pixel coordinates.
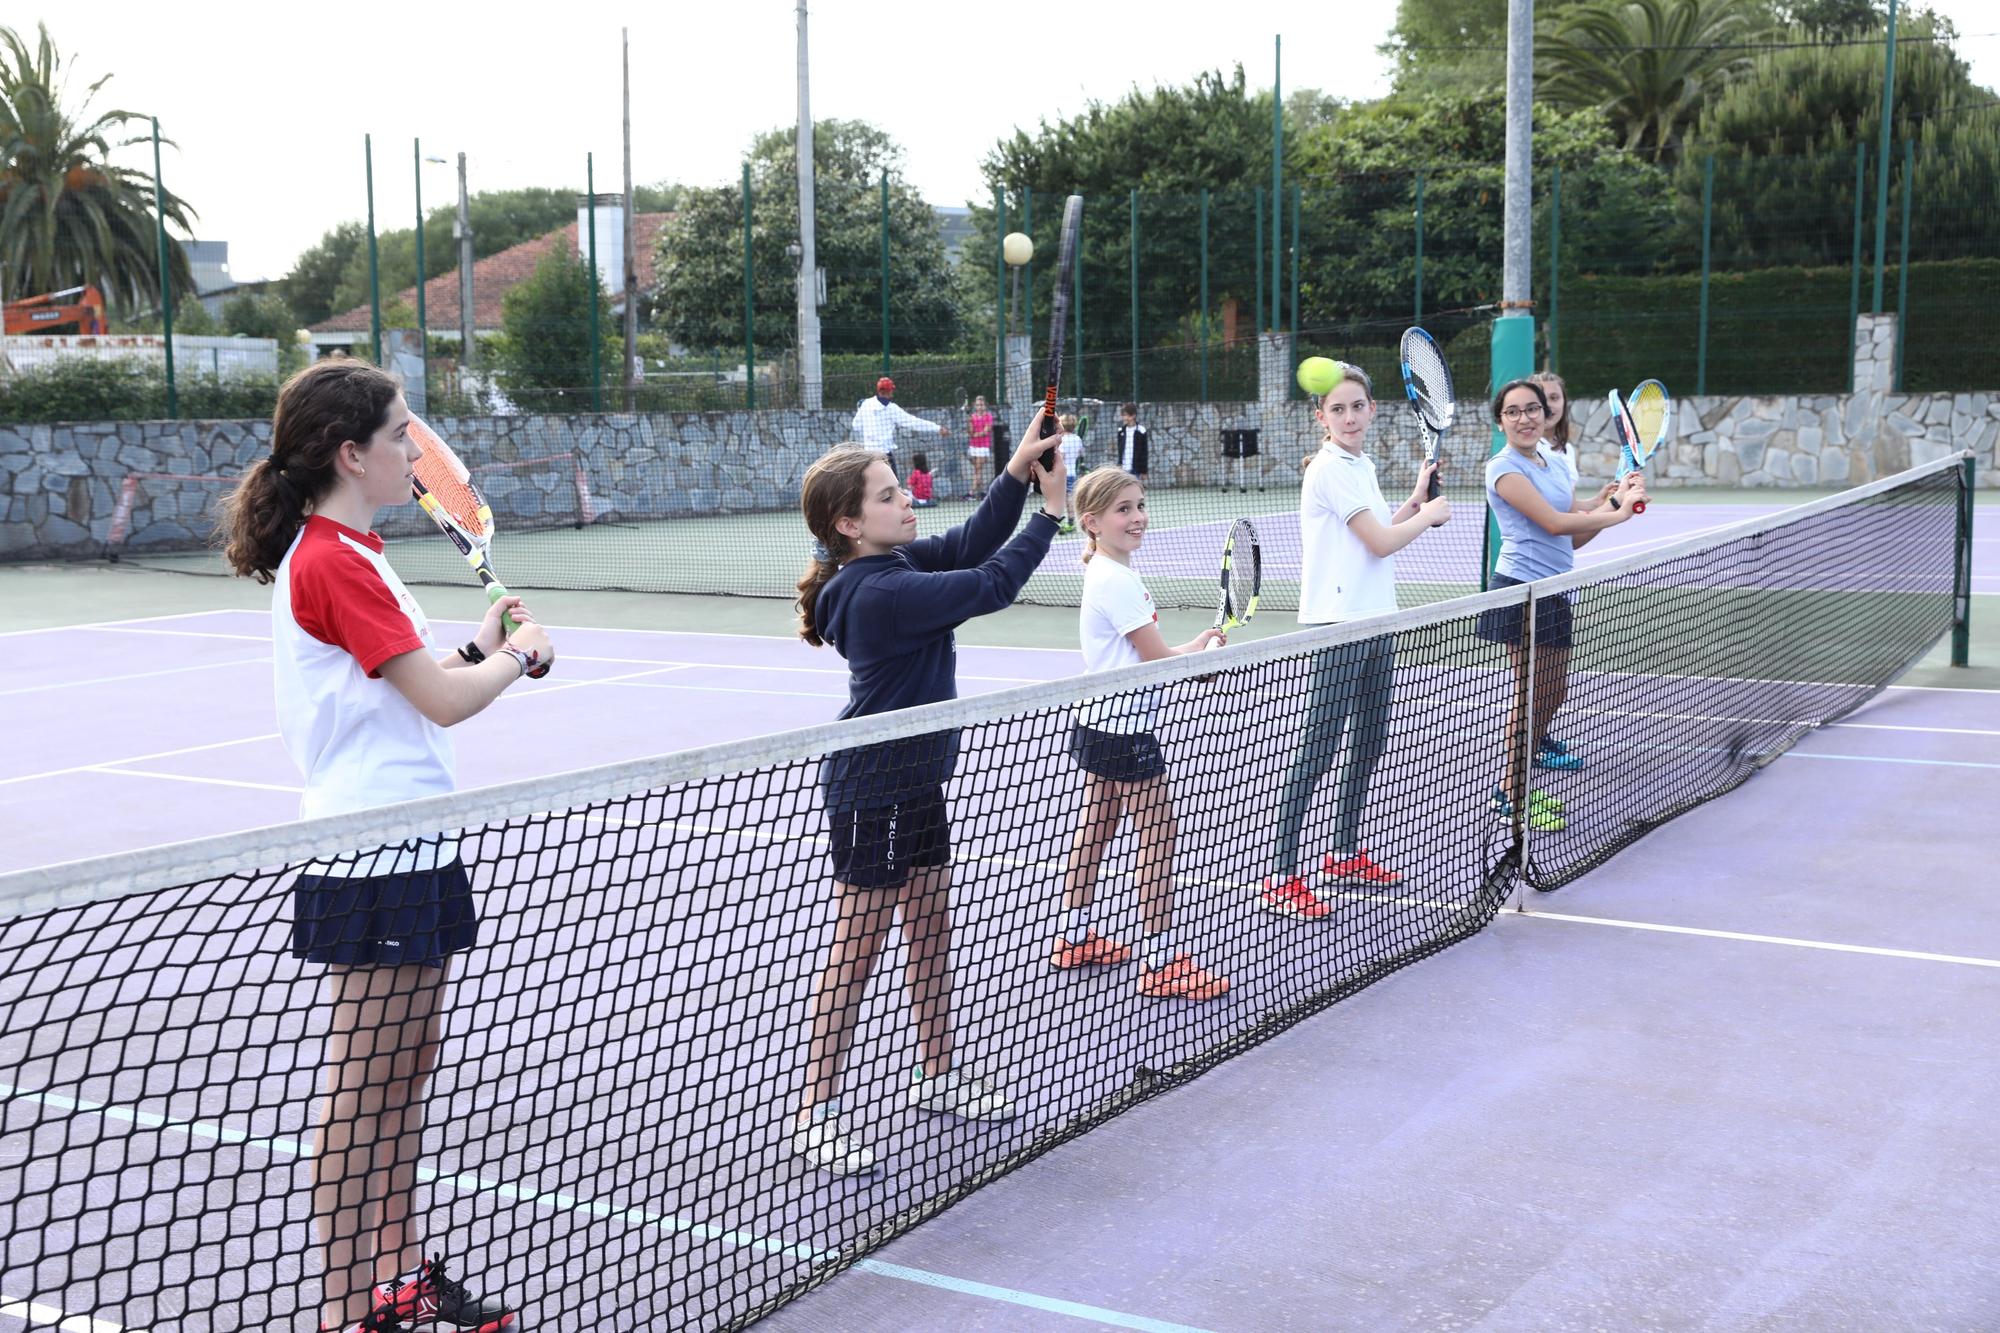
(920, 482)
(1071, 445)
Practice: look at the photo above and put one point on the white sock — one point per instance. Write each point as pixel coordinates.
(1076, 923)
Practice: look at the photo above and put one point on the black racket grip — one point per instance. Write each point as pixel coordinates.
(1436, 487)
(1049, 427)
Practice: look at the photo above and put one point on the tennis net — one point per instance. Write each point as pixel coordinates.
(708, 503)
(609, 1135)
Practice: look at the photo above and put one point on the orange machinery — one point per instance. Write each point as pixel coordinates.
(73, 310)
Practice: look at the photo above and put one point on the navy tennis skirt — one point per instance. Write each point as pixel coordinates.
(1117, 756)
(1502, 624)
(415, 917)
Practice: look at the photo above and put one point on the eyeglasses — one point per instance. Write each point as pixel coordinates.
(1528, 413)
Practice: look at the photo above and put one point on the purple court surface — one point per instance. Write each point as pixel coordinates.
(1740, 1077)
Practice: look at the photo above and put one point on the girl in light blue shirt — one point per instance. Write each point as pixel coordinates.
(1531, 490)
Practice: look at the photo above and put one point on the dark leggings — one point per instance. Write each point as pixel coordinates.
(1350, 691)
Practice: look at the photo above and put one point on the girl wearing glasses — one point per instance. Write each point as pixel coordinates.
(1531, 490)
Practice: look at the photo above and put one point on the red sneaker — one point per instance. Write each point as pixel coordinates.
(435, 1298)
(1291, 897)
(1093, 950)
(1359, 870)
(381, 1319)
(1182, 979)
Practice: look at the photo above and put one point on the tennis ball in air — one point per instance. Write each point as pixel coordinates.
(1018, 248)
(1318, 375)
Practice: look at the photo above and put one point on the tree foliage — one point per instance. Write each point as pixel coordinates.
(68, 216)
(698, 294)
(1648, 65)
(1784, 138)
(544, 357)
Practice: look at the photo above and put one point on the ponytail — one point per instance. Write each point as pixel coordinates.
(832, 490)
(324, 406)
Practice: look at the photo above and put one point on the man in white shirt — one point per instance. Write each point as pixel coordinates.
(877, 419)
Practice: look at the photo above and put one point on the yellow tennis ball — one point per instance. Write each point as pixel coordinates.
(1318, 375)
(1018, 248)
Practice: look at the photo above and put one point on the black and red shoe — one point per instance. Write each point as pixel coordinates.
(435, 1298)
(381, 1319)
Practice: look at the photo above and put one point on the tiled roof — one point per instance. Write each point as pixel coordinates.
(493, 277)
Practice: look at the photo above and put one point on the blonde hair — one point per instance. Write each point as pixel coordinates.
(1067, 421)
(1095, 493)
(832, 490)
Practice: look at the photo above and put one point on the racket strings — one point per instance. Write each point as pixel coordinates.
(1427, 372)
(1243, 579)
(1649, 418)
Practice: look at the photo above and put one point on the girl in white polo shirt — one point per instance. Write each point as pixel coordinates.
(362, 703)
(1112, 741)
(1350, 538)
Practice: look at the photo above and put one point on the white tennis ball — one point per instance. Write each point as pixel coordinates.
(1018, 248)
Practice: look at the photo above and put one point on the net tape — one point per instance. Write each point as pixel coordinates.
(625, 1048)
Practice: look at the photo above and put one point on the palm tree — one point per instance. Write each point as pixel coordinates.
(67, 215)
(1648, 65)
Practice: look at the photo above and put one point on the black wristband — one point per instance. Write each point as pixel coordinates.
(472, 654)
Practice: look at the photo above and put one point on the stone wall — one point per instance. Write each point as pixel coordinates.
(62, 484)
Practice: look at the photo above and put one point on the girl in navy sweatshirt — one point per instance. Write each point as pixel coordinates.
(888, 602)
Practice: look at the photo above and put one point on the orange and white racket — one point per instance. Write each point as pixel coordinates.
(444, 488)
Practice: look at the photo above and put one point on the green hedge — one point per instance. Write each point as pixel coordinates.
(1775, 331)
(112, 390)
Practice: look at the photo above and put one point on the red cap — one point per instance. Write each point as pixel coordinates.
(885, 385)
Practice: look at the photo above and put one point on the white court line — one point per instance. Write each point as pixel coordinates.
(1916, 955)
(140, 758)
(36, 1315)
(136, 675)
(179, 633)
(129, 620)
(189, 777)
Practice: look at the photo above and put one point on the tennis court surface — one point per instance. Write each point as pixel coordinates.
(1732, 1074)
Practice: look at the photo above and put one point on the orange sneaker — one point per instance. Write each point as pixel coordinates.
(1291, 897)
(1359, 870)
(1182, 979)
(1093, 950)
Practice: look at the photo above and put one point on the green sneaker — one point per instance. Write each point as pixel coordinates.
(1544, 811)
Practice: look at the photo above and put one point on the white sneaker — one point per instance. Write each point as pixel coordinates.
(964, 1095)
(825, 1143)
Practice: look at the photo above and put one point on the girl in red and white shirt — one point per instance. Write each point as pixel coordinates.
(363, 700)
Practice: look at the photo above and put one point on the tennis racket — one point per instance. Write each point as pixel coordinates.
(1242, 578)
(1652, 421)
(1072, 228)
(1427, 381)
(1628, 440)
(444, 488)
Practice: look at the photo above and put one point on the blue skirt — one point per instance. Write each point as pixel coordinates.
(411, 917)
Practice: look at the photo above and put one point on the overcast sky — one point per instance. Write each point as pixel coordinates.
(268, 103)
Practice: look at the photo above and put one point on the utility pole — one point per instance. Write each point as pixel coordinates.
(462, 229)
(810, 379)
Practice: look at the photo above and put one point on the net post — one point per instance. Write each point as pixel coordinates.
(1555, 262)
(885, 270)
(1134, 246)
(1523, 740)
(1259, 247)
(1961, 597)
(166, 275)
(999, 297)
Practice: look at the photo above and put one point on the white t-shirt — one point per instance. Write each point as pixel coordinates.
(338, 612)
(876, 423)
(1071, 445)
(1114, 603)
(1341, 578)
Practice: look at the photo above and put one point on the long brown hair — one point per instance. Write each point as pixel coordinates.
(1095, 494)
(319, 409)
(1559, 431)
(832, 490)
